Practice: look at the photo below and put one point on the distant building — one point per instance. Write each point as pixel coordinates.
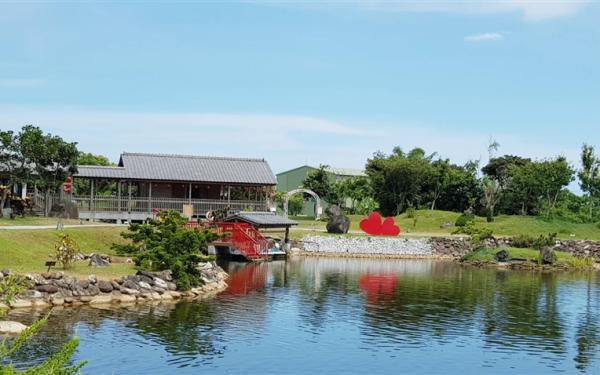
(293, 179)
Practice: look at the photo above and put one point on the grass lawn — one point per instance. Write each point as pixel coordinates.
(37, 220)
(28, 250)
(487, 255)
(429, 223)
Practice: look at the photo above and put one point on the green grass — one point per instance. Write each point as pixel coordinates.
(28, 250)
(37, 220)
(429, 224)
(487, 255)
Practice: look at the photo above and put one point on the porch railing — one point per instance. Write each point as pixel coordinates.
(102, 203)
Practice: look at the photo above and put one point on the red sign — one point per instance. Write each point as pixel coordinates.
(375, 227)
(67, 187)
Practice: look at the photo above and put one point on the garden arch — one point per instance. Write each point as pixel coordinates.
(318, 208)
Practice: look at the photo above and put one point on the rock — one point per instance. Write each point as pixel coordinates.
(147, 274)
(129, 284)
(92, 279)
(160, 283)
(547, 255)
(339, 224)
(20, 303)
(115, 284)
(173, 294)
(105, 286)
(124, 298)
(85, 298)
(146, 280)
(13, 328)
(129, 291)
(93, 290)
(171, 286)
(334, 210)
(50, 289)
(101, 299)
(97, 260)
(36, 294)
(83, 284)
(39, 303)
(502, 256)
(158, 290)
(144, 285)
(57, 301)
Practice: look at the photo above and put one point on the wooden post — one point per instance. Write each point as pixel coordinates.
(119, 195)
(190, 193)
(129, 196)
(92, 208)
(150, 197)
(287, 235)
(228, 195)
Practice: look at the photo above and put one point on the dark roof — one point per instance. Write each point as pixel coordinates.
(262, 219)
(159, 167)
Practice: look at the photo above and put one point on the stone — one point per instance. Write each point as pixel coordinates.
(13, 328)
(171, 286)
(124, 298)
(334, 210)
(39, 303)
(20, 303)
(146, 280)
(144, 285)
(129, 284)
(101, 299)
(50, 289)
(85, 298)
(547, 255)
(115, 284)
(96, 260)
(57, 301)
(160, 283)
(339, 224)
(83, 284)
(93, 290)
(158, 290)
(502, 256)
(105, 286)
(173, 294)
(129, 291)
(92, 279)
(69, 299)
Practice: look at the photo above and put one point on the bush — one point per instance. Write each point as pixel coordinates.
(465, 219)
(11, 286)
(477, 234)
(525, 241)
(66, 250)
(165, 244)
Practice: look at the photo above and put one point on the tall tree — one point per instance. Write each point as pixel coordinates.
(491, 195)
(589, 176)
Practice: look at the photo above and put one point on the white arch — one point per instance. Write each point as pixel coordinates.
(318, 208)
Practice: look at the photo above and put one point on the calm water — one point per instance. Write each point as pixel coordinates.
(349, 316)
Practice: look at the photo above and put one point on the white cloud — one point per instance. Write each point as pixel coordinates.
(531, 10)
(484, 37)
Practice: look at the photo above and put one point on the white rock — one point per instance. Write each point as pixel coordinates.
(144, 285)
(368, 245)
(160, 283)
(12, 327)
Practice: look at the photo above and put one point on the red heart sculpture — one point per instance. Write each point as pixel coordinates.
(373, 225)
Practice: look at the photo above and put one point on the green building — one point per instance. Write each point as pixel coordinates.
(293, 179)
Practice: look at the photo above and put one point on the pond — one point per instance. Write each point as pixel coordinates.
(351, 316)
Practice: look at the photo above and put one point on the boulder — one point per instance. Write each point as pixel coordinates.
(144, 285)
(130, 284)
(547, 255)
(96, 260)
(105, 286)
(502, 256)
(160, 283)
(339, 224)
(92, 279)
(13, 328)
(101, 299)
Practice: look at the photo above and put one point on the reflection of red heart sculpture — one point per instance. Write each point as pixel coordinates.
(373, 225)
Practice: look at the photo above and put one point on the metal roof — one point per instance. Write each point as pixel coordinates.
(262, 219)
(160, 167)
(343, 172)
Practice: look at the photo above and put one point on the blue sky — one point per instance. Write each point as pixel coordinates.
(301, 82)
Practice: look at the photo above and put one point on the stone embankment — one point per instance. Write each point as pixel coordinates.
(386, 246)
(443, 247)
(57, 289)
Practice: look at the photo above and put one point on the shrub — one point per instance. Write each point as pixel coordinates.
(65, 250)
(477, 234)
(529, 242)
(165, 244)
(11, 286)
(465, 219)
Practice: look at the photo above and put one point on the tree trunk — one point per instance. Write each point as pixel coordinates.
(3, 201)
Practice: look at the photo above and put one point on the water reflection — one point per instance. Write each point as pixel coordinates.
(349, 315)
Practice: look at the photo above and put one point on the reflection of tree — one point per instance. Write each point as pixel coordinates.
(588, 331)
(186, 328)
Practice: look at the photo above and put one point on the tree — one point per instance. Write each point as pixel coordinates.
(87, 158)
(398, 179)
(82, 186)
(491, 194)
(166, 244)
(295, 202)
(320, 182)
(31, 156)
(589, 176)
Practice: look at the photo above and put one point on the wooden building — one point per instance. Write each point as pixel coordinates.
(143, 184)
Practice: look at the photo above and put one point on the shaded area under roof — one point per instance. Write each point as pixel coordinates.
(159, 167)
(262, 219)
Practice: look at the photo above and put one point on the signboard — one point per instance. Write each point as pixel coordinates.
(188, 210)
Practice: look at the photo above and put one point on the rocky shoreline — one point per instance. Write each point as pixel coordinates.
(433, 247)
(57, 289)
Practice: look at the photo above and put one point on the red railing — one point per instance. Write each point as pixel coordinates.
(244, 237)
(247, 239)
